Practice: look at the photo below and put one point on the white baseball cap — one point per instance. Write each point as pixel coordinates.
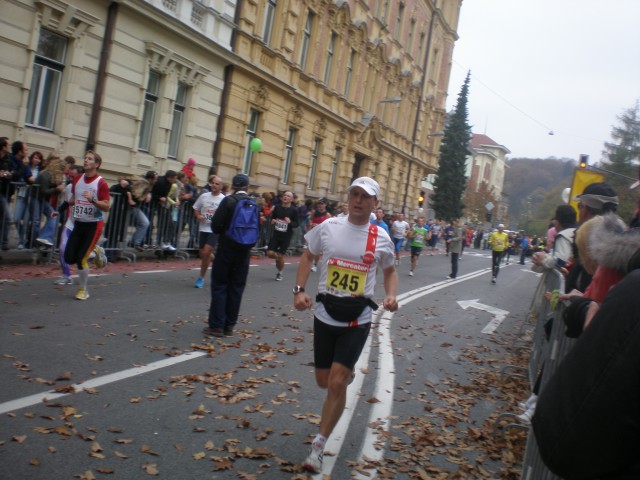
(369, 185)
(501, 225)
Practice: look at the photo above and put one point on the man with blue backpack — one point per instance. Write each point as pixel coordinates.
(236, 221)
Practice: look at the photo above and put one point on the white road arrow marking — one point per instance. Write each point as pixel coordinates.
(498, 314)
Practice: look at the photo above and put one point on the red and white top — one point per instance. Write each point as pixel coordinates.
(83, 209)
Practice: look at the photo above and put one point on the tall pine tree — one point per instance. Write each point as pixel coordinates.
(621, 156)
(624, 151)
(450, 182)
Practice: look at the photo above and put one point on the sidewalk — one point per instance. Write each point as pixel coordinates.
(16, 264)
(20, 264)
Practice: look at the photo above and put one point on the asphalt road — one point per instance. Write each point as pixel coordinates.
(124, 386)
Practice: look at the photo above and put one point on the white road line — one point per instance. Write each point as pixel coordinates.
(385, 381)
(338, 436)
(498, 314)
(383, 391)
(97, 382)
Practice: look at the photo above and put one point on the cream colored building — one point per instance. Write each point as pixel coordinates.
(334, 90)
(140, 80)
(338, 90)
(488, 163)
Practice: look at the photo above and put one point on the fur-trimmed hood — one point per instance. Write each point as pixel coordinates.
(611, 243)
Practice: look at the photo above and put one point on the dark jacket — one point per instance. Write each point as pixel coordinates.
(160, 189)
(44, 186)
(587, 420)
(6, 165)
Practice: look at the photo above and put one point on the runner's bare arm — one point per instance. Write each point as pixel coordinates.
(302, 301)
(391, 288)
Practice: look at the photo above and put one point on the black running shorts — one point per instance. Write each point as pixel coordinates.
(338, 344)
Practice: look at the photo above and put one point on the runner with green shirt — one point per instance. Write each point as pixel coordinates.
(418, 236)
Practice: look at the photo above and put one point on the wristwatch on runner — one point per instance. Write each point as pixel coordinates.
(298, 289)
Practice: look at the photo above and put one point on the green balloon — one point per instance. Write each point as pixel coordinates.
(256, 145)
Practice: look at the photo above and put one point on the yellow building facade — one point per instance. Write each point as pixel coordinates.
(337, 90)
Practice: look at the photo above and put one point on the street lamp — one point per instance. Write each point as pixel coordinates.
(367, 117)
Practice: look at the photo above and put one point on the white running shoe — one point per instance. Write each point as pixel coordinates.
(63, 281)
(278, 277)
(313, 462)
(314, 268)
(527, 415)
(411, 273)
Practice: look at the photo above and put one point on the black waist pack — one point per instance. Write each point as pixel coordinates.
(345, 309)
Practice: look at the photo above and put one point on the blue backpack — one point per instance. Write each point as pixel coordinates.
(244, 228)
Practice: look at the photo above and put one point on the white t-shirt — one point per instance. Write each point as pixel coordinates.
(207, 204)
(399, 229)
(343, 271)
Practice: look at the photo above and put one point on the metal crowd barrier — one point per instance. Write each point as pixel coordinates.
(171, 225)
(549, 345)
(175, 226)
(172, 230)
(23, 217)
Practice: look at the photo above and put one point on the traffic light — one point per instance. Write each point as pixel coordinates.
(584, 160)
(421, 199)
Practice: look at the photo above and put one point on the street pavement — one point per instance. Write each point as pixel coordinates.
(124, 386)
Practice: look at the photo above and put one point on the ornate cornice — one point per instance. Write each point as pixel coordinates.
(165, 61)
(66, 19)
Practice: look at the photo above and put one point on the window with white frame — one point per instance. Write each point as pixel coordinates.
(398, 29)
(252, 129)
(314, 164)
(178, 119)
(47, 78)
(349, 73)
(306, 40)
(288, 156)
(383, 11)
(334, 170)
(412, 27)
(329, 64)
(419, 58)
(149, 113)
(267, 24)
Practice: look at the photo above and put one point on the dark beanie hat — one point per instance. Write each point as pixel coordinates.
(240, 181)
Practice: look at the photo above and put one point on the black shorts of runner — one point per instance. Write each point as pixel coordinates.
(279, 244)
(207, 238)
(415, 251)
(338, 344)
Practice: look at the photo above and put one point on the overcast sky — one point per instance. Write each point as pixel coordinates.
(570, 67)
